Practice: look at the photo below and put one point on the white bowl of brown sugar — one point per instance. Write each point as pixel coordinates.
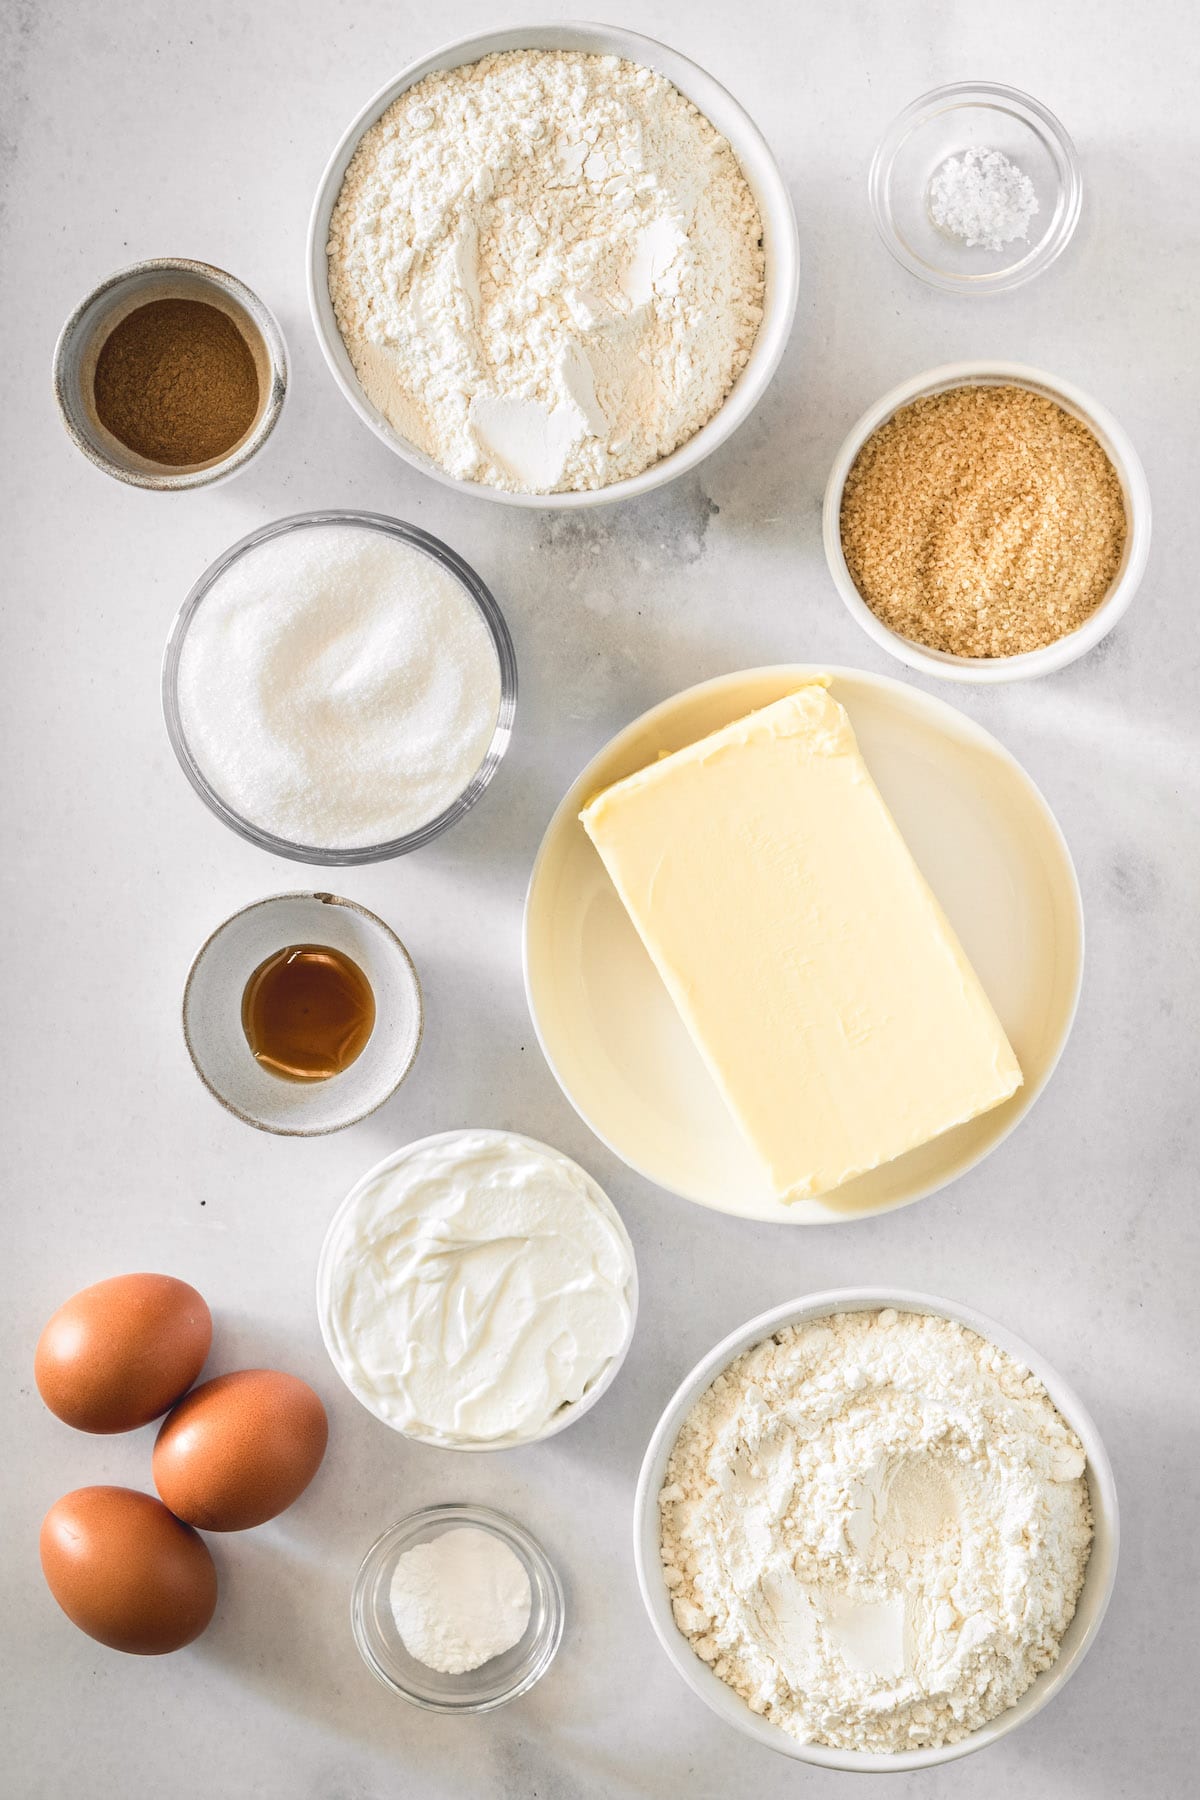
(986, 522)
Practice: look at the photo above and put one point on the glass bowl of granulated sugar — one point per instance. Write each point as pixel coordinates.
(975, 188)
(339, 687)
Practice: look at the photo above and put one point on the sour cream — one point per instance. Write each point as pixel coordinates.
(476, 1289)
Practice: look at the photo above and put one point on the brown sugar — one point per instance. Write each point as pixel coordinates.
(175, 381)
(983, 521)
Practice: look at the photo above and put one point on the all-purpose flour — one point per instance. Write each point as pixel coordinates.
(875, 1529)
(547, 268)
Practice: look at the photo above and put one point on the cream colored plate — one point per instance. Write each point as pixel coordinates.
(986, 842)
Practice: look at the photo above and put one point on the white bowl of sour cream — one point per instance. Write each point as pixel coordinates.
(477, 1290)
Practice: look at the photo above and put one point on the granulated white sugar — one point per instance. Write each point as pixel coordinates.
(338, 687)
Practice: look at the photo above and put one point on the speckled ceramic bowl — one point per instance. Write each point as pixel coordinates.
(85, 332)
(212, 1014)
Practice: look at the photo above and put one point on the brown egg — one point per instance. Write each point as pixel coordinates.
(127, 1572)
(118, 1354)
(239, 1449)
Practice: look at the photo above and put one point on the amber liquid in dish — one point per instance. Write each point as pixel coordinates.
(307, 1012)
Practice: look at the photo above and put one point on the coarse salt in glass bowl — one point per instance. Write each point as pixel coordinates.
(502, 1678)
(973, 115)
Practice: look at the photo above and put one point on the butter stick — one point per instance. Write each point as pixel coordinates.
(817, 975)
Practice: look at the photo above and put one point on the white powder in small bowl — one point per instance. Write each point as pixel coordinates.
(983, 199)
(338, 687)
(460, 1600)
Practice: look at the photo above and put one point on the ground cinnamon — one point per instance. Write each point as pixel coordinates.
(176, 383)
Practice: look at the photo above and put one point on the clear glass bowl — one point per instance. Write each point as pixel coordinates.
(973, 115)
(495, 1682)
(357, 854)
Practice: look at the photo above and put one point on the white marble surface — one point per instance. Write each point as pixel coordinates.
(143, 129)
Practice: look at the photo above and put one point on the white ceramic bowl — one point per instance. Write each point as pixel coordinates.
(566, 1415)
(1125, 461)
(780, 242)
(212, 1014)
(1093, 1600)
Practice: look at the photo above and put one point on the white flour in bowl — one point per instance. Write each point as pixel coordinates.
(547, 269)
(875, 1529)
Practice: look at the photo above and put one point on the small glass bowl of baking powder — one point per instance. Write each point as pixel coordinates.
(929, 140)
(495, 1682)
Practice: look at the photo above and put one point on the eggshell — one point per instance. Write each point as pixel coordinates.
(118, 1354)
(127, 1572)
(239, 1449)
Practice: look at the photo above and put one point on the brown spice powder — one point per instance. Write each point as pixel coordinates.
(175, 381)
(983, 521)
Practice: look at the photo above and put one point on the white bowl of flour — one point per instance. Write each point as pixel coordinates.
(516, 320)
(889, 1551)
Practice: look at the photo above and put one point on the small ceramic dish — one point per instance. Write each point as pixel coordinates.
(212, 1014)
(495, 1682)
(1093, 1600)
(781, 244)
(477, 592)
(83, 337)
(1120, 452)
(332, 1331)
(973, 115)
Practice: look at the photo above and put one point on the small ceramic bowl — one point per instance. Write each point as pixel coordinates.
(494, 1683)
(1120, 452)
(1093, 1599)
(973, 115)
(781, 244)
(212, 1014)
(83, 337)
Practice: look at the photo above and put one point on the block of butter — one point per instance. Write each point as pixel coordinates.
(815, 971)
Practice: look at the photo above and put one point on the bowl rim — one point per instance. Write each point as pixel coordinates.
(261, 316)
(476, 590)
(566, 1416)
(326, 899)
(775, 203)
(949, 97)
(509, 1531)
(1104, 1551)
(1117, 445)
(887, 681)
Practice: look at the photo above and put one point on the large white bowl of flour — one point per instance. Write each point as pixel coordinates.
(658, 1596)
(779, 244)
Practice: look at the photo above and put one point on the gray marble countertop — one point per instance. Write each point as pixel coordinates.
(142, 130)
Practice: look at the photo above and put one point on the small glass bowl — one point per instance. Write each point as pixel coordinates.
(495, 1682)
(357, 854)
(973, 115)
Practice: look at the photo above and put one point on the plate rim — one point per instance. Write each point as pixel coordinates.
(932, 703)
